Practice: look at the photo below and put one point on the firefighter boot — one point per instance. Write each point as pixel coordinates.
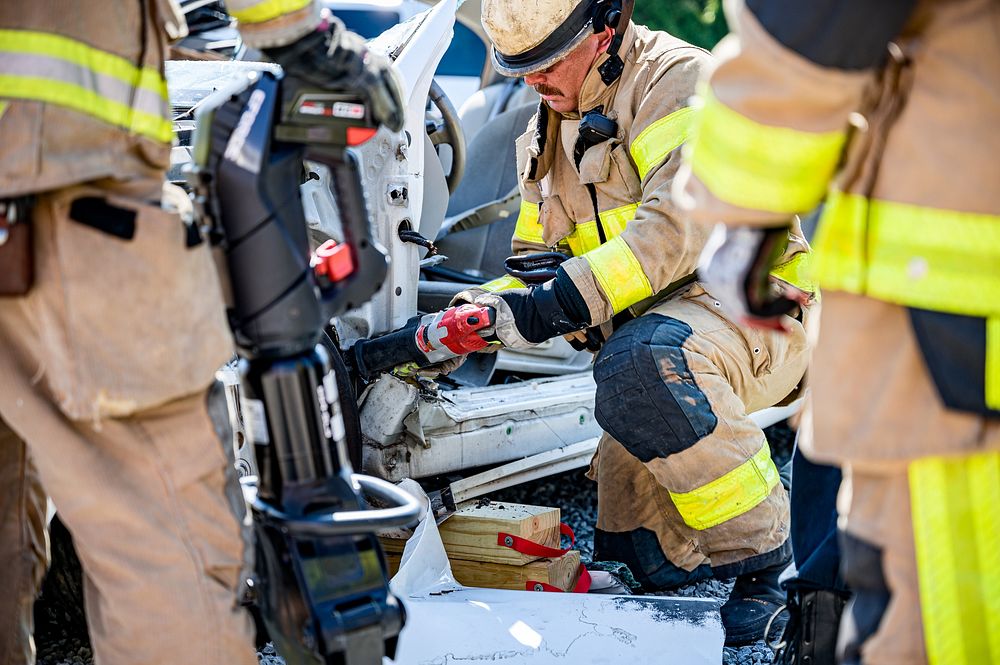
(755, 597)
(810, 636)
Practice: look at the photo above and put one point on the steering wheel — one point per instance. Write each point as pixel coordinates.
(448, 132)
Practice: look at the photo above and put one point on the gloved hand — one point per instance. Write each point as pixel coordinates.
(735, 267)
(585, 340)
(335, 59)
(468, 295)
(410, 370)
(526, 317)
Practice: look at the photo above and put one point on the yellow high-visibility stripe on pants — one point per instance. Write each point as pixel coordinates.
(956, 530)
(730, 495)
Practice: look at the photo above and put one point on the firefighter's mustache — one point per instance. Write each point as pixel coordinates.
(547, 90)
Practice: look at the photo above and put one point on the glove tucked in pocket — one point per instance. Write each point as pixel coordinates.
(126, 321)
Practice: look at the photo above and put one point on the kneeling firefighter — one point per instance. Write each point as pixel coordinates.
(686, 486)
(110, 343)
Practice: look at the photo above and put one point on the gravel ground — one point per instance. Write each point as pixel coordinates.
(576, 496)
(61, 637)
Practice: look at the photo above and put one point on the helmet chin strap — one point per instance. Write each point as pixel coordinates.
(616, 14)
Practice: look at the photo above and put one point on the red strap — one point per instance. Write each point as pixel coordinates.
(582, 584)
(531, 548)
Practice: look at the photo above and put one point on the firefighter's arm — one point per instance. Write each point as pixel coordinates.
(525, 315)
(266, 23)
(527, 218)
(772, 124)
(314, 47)
(658, 246)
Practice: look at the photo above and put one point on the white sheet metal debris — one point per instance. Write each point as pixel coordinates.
(449, 624)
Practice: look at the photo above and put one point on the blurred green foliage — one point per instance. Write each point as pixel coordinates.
(700, 22)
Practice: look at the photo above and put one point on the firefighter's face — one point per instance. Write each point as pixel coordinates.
(560, 84)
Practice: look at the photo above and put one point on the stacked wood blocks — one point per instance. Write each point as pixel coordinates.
(470, 539)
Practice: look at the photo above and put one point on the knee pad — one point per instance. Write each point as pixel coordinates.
(647, 397)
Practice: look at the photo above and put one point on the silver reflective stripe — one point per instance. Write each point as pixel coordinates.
(108, 87)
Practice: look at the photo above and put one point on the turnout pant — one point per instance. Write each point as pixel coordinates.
(103, 371)
(686, 485)
(920, 501)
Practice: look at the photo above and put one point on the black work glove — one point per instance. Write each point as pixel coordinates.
(338, 60)
(526, 317)
(736, 268)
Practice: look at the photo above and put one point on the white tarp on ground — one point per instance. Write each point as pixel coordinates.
(447, 623)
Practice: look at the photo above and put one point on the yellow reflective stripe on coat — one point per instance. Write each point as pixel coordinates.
(585, 237)
(528, 228)
(730, 495)
(267, 10)
(798, 271)
(660, 138)
(761, 167)
(57, 70)
(993, 362)
(616, 219)
(619, 273)
(930, 258)
(956, 513)
(504, 283)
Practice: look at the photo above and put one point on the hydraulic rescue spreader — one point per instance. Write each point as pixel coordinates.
(320, 576)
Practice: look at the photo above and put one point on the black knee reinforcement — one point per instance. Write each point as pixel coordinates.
(647, 397)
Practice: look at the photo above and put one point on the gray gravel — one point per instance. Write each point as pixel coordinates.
(576, 496)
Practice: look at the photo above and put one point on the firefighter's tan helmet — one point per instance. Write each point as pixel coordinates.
(532, 35)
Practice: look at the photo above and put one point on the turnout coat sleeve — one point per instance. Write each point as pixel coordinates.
(642, 247)
(658, 246)
(272, 23)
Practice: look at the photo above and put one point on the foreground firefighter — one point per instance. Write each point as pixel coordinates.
(686, 485)
(106, 357)
(895, 106)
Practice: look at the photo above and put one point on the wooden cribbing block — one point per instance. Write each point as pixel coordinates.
(561, 572)
(471, 533)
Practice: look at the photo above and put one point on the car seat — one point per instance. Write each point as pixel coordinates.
(476, 254)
